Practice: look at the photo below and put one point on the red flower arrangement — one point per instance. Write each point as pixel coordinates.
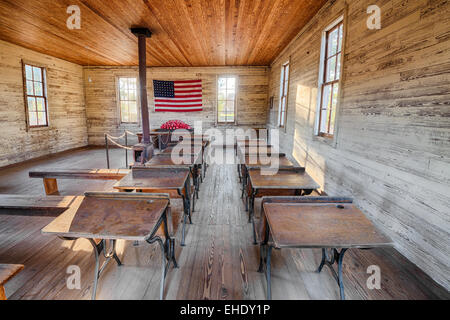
(175, 124)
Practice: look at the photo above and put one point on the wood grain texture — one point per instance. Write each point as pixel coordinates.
(97, 217)
(392, 151)
(185, 33)
(7, 271)
(67, 115)
(15, 201)
(321, 225)
(285, 178)
(96, 174)
(151, 178)
(103, 113)
(220, 261)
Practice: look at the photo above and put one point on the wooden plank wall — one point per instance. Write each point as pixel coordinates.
(392, 152)
(103, 112)
(67, 116)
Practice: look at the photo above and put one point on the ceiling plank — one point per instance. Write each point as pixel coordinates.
(185, 32)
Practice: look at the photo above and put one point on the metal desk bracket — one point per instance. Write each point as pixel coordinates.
(336, 257)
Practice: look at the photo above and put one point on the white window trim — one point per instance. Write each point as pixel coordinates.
(218, 123)
(45, 88)
(279, 124)
(322, 68)
(138, 100)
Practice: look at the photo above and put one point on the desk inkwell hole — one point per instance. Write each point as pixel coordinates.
(340, 206)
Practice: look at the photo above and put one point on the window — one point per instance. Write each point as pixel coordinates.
(35, 95)
(128, 99)
(226, 100)
(330, 79)
(284, 89)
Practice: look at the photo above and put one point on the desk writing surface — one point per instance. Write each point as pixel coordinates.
(294, 179)
(154, 178)
(263, 150)
(166, 160)
(321, 225)
(258, 161)
(109, 218)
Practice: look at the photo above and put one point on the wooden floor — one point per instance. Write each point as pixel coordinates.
(218, 262)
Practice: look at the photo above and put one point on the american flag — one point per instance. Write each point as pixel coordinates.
(178, 96)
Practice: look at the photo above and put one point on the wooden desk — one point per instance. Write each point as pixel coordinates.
(155, 179)
(246, 162)
(195, 148)
(294, 180)
(191, 161)
(316, 222)
(7, 272)
(111, 216)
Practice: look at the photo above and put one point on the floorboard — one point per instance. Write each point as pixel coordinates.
(218, 262)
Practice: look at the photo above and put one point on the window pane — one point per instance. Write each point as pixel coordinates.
(37, 74)
(33, 119)
(221, 106)
(42, 121)
(123, 95)
(123, 84)
(30, 88)
(222, 95)
(28, 72)
(230, 106)
(40, 104)
(132, 111)
(338, 68)
(286, 76)
(132, 83)
(221, 111)
(341, 35)
(230, 95)
(283, 104)
(333, 38)
(334, 105)
(331, 69)
(286, 88)
(38, 89)
(326, 106)
(31, 104)
(231, 83)
(326, 98)
(133, 116)
(222, 83)
(132, 95)
(229, 117)
(324, 121)
(124, 111)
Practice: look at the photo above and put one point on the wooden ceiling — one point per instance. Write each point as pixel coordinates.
(185, 32)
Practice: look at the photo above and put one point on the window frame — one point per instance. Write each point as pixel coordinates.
(227, 76)
(138, 99)
(44, 93)
(323, 83)
(284, 93)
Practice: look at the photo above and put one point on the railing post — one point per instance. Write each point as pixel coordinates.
(107, 150)
(126, 150)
